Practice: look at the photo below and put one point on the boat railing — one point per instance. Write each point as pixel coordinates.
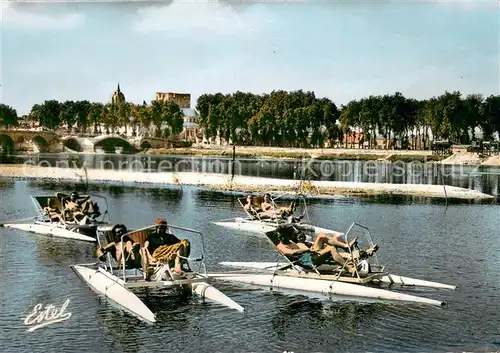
(106, 212)
(273, 200)
(305, 212)
(367, 234)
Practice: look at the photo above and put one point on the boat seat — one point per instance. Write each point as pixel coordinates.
(139, 236)
(93, 212)
(328, 267)
(53, 209)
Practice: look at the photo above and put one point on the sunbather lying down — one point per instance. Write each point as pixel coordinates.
(266, 209)
(323, 249)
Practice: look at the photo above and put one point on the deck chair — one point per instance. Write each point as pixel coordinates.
(328, 267)
(160, 267)
(273, 237)
(251, 214)
(56, 212)
(93, 208)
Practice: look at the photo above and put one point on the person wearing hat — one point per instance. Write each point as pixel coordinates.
(164, 247)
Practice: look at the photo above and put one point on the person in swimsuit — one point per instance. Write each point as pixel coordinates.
(164, 247)
(323, 248)
(119, 250)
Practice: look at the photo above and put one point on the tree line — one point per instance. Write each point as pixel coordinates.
(290, 119)
(166, 116)
(299, 119)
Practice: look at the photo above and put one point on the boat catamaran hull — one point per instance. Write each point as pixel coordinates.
(258, 225)
(116, 282)
(316, 283)
(43, 224)
(367, 282)
(52, 230)
(244, 224)
(117, 291)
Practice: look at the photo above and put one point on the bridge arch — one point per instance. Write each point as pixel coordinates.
(40, 142)
(110, 143)
(6, 144)
(73, 144)
(145, 144)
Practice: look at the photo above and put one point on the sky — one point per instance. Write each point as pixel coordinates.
(343, 49)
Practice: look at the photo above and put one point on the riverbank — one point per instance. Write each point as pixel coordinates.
(405, 156)
(240, 183)
(468, 158)
(298, 153)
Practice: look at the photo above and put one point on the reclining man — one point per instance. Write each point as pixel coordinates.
(324, 248)
(77, 208)
(267, 210)
(53, 211)
(163, 246)
(118, 250)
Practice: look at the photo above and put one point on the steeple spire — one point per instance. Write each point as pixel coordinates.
(118, 89)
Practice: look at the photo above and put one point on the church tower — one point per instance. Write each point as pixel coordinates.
(118, 97)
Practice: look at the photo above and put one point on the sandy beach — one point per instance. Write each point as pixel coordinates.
(239, 183)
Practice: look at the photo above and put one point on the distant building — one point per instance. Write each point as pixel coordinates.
(118, 97)
(182, 99)
(191, 130)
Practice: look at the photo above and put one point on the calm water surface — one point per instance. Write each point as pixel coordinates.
(457, 245)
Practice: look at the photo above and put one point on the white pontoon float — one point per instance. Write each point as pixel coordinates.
(116, 281)
(255, 223)
(329, 279)
(53, 220)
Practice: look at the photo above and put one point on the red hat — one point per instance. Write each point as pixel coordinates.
(160, 221)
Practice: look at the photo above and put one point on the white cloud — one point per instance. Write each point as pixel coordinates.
(191, 16)
(12, 16)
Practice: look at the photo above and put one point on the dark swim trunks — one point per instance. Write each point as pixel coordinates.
(306, 259)
(312, 259)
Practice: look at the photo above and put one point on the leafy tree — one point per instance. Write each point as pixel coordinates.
(48, 114)
(8, 116)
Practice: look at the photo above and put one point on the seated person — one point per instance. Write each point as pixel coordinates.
(334, 239)
(266, 205)
(53, 211)
(77, 208)
(266, 209)
(249, 206)
(163, 246)
(119, 249)
(324, 248)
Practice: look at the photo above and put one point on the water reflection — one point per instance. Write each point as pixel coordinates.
(345, 316)
(61, 250)
(117, 327)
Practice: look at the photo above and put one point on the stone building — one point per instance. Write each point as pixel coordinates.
(118, 97)
(182, 99)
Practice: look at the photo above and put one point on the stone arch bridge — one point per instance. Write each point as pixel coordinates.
(41, 141)
(113, 143)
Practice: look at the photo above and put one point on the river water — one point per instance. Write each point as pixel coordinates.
(458, 244)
